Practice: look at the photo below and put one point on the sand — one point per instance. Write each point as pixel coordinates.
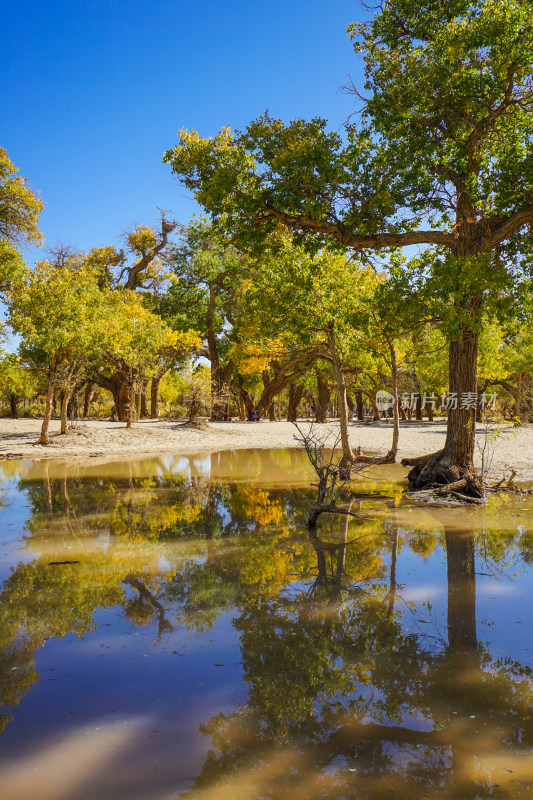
(105, 439)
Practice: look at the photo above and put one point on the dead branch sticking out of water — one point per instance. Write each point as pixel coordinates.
(507, 486)
(332, 475)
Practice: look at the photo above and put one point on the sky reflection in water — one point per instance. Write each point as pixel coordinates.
(204, 645)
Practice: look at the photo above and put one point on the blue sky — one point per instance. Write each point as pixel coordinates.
(93, 93)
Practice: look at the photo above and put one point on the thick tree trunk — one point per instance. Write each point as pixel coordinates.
(242, 406)
(457, 457)
(375, 409)
(73, 405)
(348, 457)
(154, 398)
(296, 391)
(281, 379)
(118, 385)
(44, 438)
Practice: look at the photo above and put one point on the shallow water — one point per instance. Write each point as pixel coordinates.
(201, 644)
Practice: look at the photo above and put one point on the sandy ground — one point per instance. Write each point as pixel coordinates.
(105, 439)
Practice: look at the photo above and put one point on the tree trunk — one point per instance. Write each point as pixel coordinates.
(457, 457)
(118, 385)
(13, 400)
(44, 438)
(270, 408)
(131, 408)
(296, 391)
(360, 406)
(65, 397)
(154, 398)
(350, 404)
(87, 398)
(73, 405)
(323, 396)
(375, 410)
(144, 406)
(348, 457)
(242, 406)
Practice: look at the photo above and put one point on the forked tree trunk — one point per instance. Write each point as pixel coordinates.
(44, 438)
(296, 391)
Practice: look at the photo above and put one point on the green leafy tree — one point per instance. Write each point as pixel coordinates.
(19, 217)
(16, 381)
(137, 341)
(206, 274)
(441, 157)
(60, 316)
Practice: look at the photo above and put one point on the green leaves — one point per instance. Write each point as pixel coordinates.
(19, 206)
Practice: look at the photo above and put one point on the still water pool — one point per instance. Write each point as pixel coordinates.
(169, 629)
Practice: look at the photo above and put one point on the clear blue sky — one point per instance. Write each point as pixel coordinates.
(93, 93)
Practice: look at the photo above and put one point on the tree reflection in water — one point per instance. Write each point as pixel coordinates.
(345, 698)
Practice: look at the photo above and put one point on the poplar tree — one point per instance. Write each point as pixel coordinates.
(441, 155)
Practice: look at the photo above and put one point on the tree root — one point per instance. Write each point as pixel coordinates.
(390, 458)
(417, 461)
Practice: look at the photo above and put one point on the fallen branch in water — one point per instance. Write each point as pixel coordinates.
(332, 475)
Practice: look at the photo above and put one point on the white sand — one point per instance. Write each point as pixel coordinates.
(148, 438)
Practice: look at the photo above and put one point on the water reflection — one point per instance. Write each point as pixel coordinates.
(360, 666)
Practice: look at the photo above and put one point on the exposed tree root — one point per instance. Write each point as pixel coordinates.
(389, 458)
(419, 460)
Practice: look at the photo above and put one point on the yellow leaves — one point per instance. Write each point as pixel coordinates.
(142, 239)
(253, 358)
(19, 206)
